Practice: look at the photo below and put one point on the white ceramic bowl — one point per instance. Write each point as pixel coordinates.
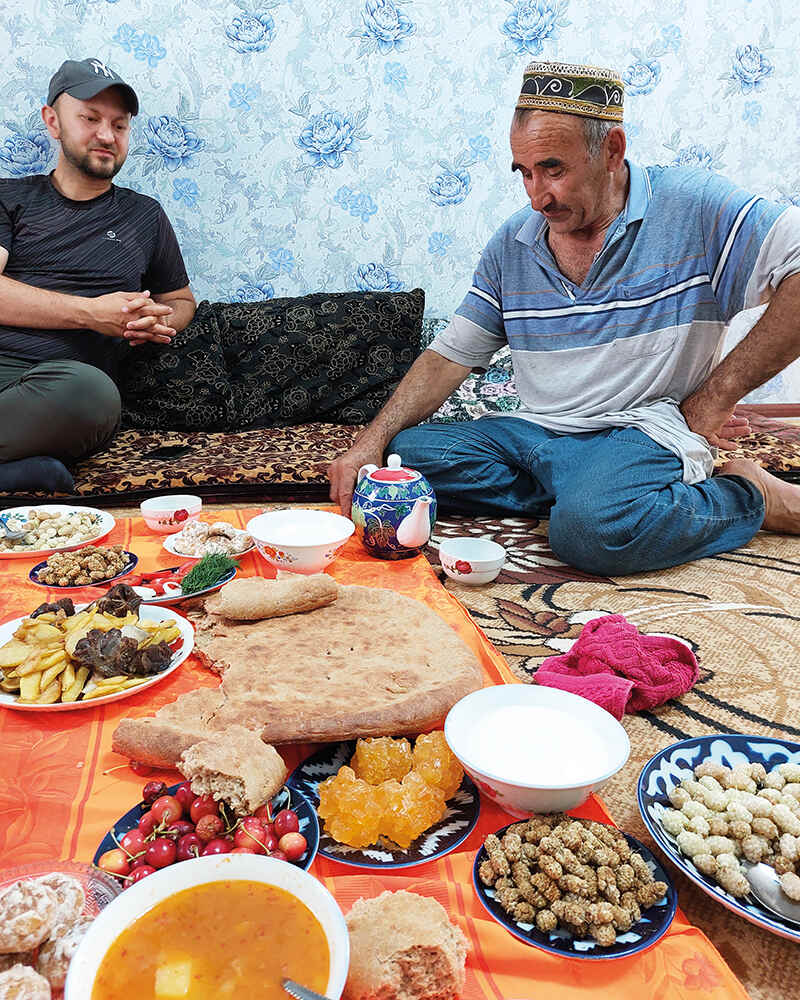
(300, 540)
(535, 749)
(143, 896)
(471, 560)
(166, 514)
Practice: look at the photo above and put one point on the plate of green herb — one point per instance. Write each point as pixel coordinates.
(179, 583)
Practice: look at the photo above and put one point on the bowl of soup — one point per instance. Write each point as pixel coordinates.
(215, 927)
(535, 749)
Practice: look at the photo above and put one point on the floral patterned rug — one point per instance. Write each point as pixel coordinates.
(739, 612)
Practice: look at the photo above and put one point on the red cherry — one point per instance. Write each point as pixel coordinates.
(114, 861)
(279, 855)
(152, 790)
(184, 794)
(161, 852)
(167, 809)
(179, 828)
(133, 841)
(147, 824)
(209, 827)
(218, 846)
(141, 769)
(264, 813)
(244, 850)
(141, 872)
(189, 846)
(251, 834)
(203, 805)
(293, 845)
(286, 822)
(138, 861)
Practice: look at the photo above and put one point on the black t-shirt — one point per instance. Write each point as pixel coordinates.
(120, 241)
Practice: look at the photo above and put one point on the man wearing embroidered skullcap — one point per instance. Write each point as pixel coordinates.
(612, 289)
(85, 266)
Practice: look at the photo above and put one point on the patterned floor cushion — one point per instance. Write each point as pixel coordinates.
(283, 463)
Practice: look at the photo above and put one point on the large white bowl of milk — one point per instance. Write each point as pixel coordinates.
(535, 749)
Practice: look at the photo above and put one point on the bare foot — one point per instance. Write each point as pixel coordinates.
(782, 499)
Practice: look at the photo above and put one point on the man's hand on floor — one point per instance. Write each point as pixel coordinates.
(717, 423)
(342, 473)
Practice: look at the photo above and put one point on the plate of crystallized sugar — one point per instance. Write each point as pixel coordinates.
(554, 884)
(52, 527)
(710, 800)
(456, 823)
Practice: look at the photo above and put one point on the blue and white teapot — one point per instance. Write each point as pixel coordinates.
(394, 510)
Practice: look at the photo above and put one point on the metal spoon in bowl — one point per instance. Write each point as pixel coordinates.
(300, 992)
(766, 887)
(10, 533)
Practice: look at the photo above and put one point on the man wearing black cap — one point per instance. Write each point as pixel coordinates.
(84, 265)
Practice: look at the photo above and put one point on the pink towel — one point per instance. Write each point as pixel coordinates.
(618, 668)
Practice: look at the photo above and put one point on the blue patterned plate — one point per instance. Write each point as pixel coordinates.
(652, 926)
(670, 766)
(454, 827)
(286, 798)
(130, 563)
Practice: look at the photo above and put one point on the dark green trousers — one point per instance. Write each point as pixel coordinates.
(65, 409)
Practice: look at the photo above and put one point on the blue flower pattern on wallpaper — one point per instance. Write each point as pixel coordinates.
(401, 141)
(28, 149)
(170, 143)
(242, 95)
(377, 278)
(532, 22)
(186, 191)
(251, 32)
(357, 203)
(385, 28)
(145, 47)
(750, 69)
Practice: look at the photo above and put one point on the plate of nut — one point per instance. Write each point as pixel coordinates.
(50, 528)
(87, 567)
(716, 803)
(574, 887)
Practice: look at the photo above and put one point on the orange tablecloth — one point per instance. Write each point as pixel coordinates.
(62, 788)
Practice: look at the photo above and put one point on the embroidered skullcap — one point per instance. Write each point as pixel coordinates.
(573, 90)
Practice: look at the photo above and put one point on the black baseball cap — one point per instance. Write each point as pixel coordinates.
(85, 79)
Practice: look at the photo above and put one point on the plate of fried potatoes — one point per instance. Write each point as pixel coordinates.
(41, 668)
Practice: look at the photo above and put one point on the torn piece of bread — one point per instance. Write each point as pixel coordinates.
(404, 947)
(159, 740)
(254, 598)
(234, 766)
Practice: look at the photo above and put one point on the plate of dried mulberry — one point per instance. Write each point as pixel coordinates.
(574, 887)
(709, 801)
(384, 803)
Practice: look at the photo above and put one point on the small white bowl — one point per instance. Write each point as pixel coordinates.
(300, 540)
(143, 896)
(166, 514)
(535, 749)
(471, 560)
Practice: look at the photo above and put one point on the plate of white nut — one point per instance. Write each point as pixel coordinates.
(51, 528)
(719, 804)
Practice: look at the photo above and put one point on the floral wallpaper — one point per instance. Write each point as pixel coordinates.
(300, 146)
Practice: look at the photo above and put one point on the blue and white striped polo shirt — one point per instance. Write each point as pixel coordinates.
(688, 251)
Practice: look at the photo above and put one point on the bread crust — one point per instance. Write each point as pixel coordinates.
(254, 598)
(373, 663)
(404, 947)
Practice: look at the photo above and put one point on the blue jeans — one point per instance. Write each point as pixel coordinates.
(616, 500)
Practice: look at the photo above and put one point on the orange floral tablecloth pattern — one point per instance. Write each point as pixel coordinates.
(61, 788)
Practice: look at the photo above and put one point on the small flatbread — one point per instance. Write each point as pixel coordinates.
(253, 598)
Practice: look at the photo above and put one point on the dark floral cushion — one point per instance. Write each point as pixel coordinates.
(333, 357)
(492, 392)
(183, 386)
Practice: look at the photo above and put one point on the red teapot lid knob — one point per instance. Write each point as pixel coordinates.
(394, 472)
